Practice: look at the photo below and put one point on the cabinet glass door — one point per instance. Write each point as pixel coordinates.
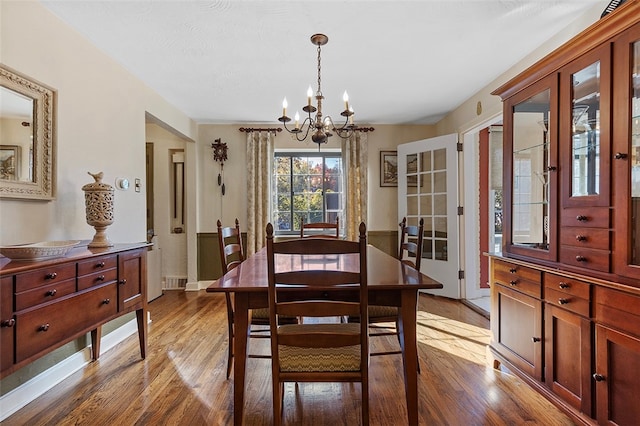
(530, 132)
(626, 156)
(584, 129)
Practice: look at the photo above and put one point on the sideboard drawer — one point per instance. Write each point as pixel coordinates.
(567, 301)
(567, 285)
(45, 276)
(55, 324)
(97, 278)
(97, 264)
(592, 217)
(597, 238)
(43, 294)
(520, 278)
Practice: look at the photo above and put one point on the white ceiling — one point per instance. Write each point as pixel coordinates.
(401, 61)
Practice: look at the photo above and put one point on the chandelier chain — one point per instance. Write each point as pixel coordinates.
(319, 72)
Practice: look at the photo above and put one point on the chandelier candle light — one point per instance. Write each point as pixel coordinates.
(323, 127)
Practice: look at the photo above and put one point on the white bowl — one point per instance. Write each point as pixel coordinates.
(38, 251)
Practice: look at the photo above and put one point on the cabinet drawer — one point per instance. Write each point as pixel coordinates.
(592, 217)
(520, 278)
(617, 309)
(97, 264)
(54, 324)
(567, 285)
(97, 278)
(45, 276)
(585, 258)
(567, 301)
(46, 293)
(597, 238)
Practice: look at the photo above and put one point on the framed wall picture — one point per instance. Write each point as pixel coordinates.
(9, 162)
(388, 168)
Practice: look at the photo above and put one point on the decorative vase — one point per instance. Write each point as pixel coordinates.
(98, 200)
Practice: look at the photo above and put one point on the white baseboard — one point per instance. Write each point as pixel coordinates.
(198, 285)
(30, 390)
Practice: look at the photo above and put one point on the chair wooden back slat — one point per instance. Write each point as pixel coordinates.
(335, 227)
(413, 247)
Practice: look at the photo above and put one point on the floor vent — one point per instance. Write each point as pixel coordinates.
(175, 282)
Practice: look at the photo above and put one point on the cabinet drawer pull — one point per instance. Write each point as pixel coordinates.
(44, 327)
(51, 292)
(552, 168)
(535, 339)
(8, 323)
(100, 278)
(122, 281)
(106, 301)
(563, 301)
(598, 377)
(581, 259)
(100, 265)
(51, 275)
(513, 270)
(563, 285)
(620, 156)
(513, 282)
(582, 218)
(581, 238)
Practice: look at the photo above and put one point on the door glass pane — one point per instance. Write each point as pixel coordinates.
(586, 131)
(635, 157)
(530, 210)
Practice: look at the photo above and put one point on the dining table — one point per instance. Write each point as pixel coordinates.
(389, 282)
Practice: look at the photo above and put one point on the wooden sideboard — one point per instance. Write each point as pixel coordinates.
(45, 304)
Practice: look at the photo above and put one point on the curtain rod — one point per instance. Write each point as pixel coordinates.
(255, 129)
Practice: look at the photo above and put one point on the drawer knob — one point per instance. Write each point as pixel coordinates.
(598, 377)
(535, 339)
(552, 168)
(100, 278)
(44, 327)
(513, 282)
(100, 265)
(563, 301)
(8, 323)
(51, 292)
(513, 270)
(51, 275)
(582, 218)
(563, 285)
(122, 281)
(106, 301)
(581, 238)
(581, 259)
(620, 156)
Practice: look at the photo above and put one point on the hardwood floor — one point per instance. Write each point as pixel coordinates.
(182, 381)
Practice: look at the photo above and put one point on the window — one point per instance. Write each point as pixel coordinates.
(306, 185)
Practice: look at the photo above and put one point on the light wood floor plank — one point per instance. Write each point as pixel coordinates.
(182, 381)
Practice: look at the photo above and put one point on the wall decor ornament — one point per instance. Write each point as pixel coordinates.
(220, 155)
(98, 200)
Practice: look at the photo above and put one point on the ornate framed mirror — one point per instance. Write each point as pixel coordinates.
(27, 138)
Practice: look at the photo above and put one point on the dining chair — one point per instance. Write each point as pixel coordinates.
(319, 350)
(231, 256)
(333, 227)
(380, 317)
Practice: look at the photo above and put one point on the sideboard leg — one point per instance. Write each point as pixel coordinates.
(141, 315)
(95, 342)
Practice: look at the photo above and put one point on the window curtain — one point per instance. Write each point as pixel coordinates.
(354, 163)
(259, 159)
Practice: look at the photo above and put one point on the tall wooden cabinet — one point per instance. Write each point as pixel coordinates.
(566, 287)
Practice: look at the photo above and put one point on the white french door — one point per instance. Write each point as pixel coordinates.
(428, 189)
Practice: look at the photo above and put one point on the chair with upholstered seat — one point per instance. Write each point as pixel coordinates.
(231, 256)
(409, 253)
(321, 350)
(315, 229)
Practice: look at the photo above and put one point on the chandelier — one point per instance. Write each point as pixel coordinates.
(320, 128)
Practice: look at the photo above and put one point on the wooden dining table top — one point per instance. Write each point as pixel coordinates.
(384, 272)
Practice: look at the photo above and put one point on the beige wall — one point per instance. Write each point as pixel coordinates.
(100, 127)
(212, 205)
